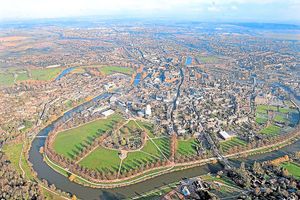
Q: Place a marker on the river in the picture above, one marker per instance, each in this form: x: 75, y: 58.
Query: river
x: 64, y: 72
x: 63, y: 183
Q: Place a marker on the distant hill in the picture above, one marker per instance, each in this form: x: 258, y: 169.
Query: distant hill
x: 268, y: 26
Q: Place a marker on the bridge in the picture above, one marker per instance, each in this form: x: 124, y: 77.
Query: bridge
x: 224, y: 161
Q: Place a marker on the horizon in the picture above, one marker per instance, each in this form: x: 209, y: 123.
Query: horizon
x: 269, y: 11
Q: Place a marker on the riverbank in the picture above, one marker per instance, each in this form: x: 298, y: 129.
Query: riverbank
x: 146, y: 175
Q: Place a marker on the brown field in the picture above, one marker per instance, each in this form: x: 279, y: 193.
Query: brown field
x: 12, y: 38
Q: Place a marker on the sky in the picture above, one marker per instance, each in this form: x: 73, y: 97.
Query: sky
x: 202, y: 10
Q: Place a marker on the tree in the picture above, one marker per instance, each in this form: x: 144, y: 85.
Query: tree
x: 257, y: 168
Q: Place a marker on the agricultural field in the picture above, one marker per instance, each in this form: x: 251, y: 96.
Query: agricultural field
x: 271, y: 130
x: 187, y: 147
x: 70, y: 142
x: 293, y: 168
x: 228, y: 144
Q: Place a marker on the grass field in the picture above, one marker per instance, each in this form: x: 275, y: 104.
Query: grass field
x: 208, y: 59
x: 107, y: 70
x: 22, y: 76
x: 69, y: 142
x: 45, y: 74
x: 149, y: 153
x: 293, y: 169
x: 102, y: 159
x: 228, y: 144
x: 6, y: 79
x: 147, y: 127
x: 13, y: 152
x: 271, y: 130
x: 187, y: 147
x: 108, y: 160
x: 280, y: 118
x: 164, y: 145
x: 264, y: 108
x: 50, y: 196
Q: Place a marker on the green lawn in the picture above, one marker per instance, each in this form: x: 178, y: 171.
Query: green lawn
x: 187, y: 147
x: 102, y: 159
x: 164, y: 145
x: 148, y: 127
x: 13, y: 151
x: 271, y: 130
x: 264, y: 108
x: 107, y: 70
x: 137, y: 159
x: 228, y: 144
x: 280, y: 118
x: 45, y: 74
x: 261, y: 118
x: 69, y: 142
x: 6, y: 79
x: 22, y: 76
x: 293, y: 169
x: 208, y: 59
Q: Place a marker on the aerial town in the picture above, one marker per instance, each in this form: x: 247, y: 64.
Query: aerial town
x: 114, y: 106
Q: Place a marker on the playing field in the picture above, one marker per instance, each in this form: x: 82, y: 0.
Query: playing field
x: 187, y: 147
x: 70, y: 142
x: 228, y: 144
x: 293, y: 169
x: 107, y: 70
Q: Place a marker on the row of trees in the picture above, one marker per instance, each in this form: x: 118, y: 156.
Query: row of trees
x: 74, y: 167
x: 263, y: 142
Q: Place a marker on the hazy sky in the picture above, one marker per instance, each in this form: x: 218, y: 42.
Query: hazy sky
x: 226, y: 10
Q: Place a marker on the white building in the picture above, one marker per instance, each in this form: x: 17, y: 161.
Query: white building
x: 148, y: 110
x: 108, y: 112
x: 225, y: 135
